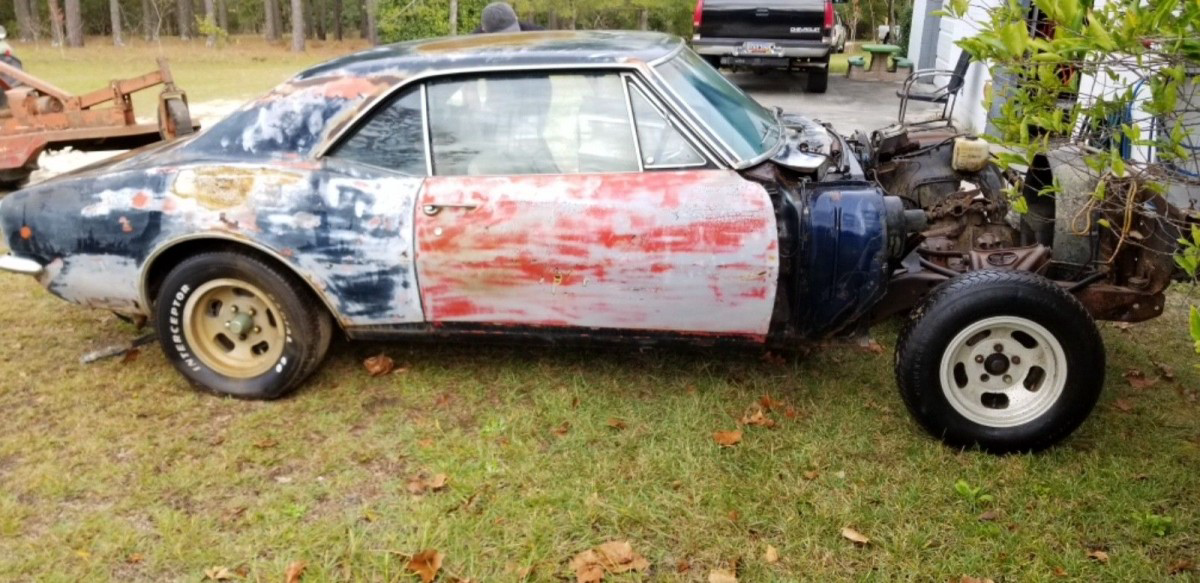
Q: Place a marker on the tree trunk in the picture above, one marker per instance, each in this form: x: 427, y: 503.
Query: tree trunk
x: 56, y: 22
x: 363, y: 20
x: 184, y: 17
x: 319, y: 22
x: 223, y: 15
x: 147, y: 21
x: 74, y: 24
x: 210, y: 20
x: 644, y: 20
x: 25, y: 25
x: 337, y: 20
x: 552, y: 22
x: 372, y: 25
x: 272, y: 20
x: 114, y: 13
x: 453, y: 17
x: 298, y: 26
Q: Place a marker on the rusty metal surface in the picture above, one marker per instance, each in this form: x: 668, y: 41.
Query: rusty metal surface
x: 681, y: 251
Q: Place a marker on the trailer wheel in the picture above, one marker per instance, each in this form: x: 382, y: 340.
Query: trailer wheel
x: 174, y: 118
x: 1005, y: 360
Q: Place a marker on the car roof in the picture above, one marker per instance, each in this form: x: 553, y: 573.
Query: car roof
x: 559, y: 47
x: 300, y: 116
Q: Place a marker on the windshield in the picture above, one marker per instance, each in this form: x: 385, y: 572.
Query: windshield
x: 748, y: 130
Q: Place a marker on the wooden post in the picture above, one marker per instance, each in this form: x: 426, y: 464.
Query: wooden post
x: 298, y: 26
x: 453, y: 17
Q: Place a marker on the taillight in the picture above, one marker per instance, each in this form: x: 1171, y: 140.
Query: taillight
x: 698, y: 16
x: 829, y: 14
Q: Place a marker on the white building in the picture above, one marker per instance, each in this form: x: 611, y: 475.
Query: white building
x: 931, y: 45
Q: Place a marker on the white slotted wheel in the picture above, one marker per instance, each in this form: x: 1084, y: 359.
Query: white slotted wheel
x: 234, y: 328
x: 1003, y: 371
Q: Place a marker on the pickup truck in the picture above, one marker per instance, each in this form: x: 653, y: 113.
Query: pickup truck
x: 767, y: 34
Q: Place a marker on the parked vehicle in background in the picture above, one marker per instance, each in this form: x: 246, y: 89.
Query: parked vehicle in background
x: 839, y: 34
x: 768, y: 34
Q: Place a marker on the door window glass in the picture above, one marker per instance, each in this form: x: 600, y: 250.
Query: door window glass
x: 531, y: 124
x: 393, y: 137
x: 662, y: 145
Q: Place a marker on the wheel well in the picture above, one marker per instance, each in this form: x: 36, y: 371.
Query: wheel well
x: 164, y: 262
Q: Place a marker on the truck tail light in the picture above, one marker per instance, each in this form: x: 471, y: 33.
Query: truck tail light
x: 828, y: 14
x: 698, y: 16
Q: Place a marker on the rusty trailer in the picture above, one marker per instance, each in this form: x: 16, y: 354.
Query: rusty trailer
x: 39, y: 116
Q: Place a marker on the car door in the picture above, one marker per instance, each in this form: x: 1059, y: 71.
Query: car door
x: 547, y: 209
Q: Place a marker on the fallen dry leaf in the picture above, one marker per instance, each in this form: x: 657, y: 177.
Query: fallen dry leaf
x: 771, y: 556
x: 563, y: 429
x: 134, y: 558
x: 734, y: 516
x: 1123, y: 405
x: 130, y: 355
x: 294, y: 572
x: 874, y: 347
x: 855, y: 537
x: 379, y: 365
x: 266, y: 443
x: 988, y: 516
x: 722, y: 576
x: 617, y: 424
x: 610, y: 557
x: 515, y: 569
x: 1137, y: 379
x: 791, y: 413
x: 728, y: 438
x: 1124, y: 326
x: 1099, y: 556
x: 1181, y: 566
x: 970, y: 579
x: 1166, y: 371
x: 218, y: 574
x: 426, y: 564
x: 422, y: 483
x: 1060, y: 572
x: 682, y: 566
x: 758, y: 419
x: 812, y: 475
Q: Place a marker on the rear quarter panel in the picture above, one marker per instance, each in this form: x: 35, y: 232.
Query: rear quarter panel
x: 345, y: 230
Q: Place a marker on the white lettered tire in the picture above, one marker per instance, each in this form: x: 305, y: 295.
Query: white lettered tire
x: 238, y: 325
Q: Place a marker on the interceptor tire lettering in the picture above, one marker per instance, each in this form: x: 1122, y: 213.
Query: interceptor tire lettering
x: 963, y: 301
x: 308, y: 326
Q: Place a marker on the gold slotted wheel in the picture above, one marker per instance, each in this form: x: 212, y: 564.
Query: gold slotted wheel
x: 234, y: 328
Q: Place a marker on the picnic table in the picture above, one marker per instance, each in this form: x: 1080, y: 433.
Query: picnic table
x: 879, y: 56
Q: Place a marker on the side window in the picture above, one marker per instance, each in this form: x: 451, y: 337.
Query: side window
x: 537, y: 123
x: 661, y: 143
x: 393, y: 137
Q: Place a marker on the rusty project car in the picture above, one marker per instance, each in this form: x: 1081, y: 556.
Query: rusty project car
x: 565, y: 185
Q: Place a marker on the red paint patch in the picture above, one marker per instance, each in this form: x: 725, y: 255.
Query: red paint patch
x: 26, y: 233
x: 140, y: 200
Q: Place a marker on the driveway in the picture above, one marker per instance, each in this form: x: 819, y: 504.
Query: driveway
x: 848, y: 105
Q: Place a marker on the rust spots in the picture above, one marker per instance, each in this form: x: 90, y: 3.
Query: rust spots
x: 140, y: 200
x: 227, y: 187
x: 26, y: 233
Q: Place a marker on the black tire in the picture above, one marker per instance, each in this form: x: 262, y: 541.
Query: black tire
x: 953, y: 310
x: 818, y: 79
x: 305, y: 323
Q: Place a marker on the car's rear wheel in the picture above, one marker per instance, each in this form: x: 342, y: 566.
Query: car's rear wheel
x: 818, y: 79
x: 1004, y: 360
x: 238, y: 325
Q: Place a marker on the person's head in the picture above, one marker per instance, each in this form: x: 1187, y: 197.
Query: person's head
x: 500, y: 17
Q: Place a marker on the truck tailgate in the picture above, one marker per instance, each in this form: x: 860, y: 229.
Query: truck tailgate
x: 763, y: 19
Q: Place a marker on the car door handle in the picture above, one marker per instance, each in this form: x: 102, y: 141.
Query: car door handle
x: 433, y: 209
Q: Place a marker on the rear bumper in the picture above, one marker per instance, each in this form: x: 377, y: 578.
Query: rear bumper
x: 21, y: 265
x: 732, y: 48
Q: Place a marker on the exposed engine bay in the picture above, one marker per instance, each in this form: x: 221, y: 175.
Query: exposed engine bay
x: 1114, y: 254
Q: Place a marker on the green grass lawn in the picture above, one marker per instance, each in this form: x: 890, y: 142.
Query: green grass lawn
x: 120, y: 471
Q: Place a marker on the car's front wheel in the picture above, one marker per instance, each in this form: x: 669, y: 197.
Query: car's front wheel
x: 1005, y: 360
x: 237, y: 325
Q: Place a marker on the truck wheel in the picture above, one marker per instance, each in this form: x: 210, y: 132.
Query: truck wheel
x: 818, y: 79
x: 1005, y: 360
x: 238, y: 326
